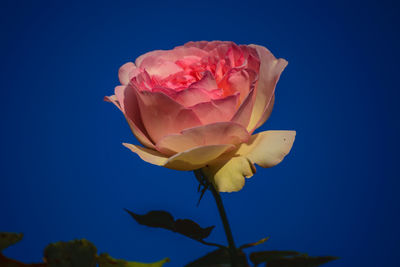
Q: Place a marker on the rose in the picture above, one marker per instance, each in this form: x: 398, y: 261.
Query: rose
x: 197, y: 105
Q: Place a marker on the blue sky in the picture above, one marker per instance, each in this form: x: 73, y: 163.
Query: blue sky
x: 65, y: 174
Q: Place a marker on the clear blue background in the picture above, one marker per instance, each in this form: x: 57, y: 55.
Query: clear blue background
x: 65, y: 175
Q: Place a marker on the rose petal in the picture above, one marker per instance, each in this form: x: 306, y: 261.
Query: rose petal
x: 126, y: 72
x: 206, y: 45
x: 125, y: 100
x: 148, y: 155
x: 270, y: 71
x: 189, y: 160
x: 216, y: 110
x: 268, y: 148
x: 149, y: 59
x: 192, y: 96
x: 237, y: 80
x: 228, y: 175
x: 243, y: 114
x: 161, y: 115
x: 211, y: 134
x: 267, y: 113
x: 197, y: 157
x: 207, y: 82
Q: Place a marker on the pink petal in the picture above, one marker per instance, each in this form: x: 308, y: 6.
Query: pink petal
x: 216, y: 110
x: 219, y: 133
x: 238, y: 81
x: 147, y: 60
x: 192, y: 96
x: 125, y: 100
x: 270, y: 71
x: 126, y: 72
x: 251, y: 56
x: 243, y: 114
x: 161, y: 115
x: 207, y: 82
x: 206, y: 45
x: 267, y: 112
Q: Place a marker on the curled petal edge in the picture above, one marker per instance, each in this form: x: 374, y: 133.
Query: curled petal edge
x: 143, y: 139
x: 188, y: 160
x: 265, y: 149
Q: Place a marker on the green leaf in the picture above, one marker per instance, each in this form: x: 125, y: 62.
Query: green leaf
x: 163, y: 219
x: 249, y: 245
x: 264, y: 256
x: 218, y: 258
x: 300, y: 261
x: 71, y: 254
x: 104, y: 260
x: 8, y: 239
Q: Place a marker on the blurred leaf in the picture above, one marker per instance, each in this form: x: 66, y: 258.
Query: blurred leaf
x: 104, y: 260
x: 218, y: 258
x: 6, y: 262
x: 287, y: 259
x: 163, y: 219
x: 249, y: 245
x: 8, y: 239
x: 71, y: 254
x: 300, y: 261
x: 264, y: 256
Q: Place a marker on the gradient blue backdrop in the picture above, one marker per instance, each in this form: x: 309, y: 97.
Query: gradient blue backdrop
x: 65, y: 175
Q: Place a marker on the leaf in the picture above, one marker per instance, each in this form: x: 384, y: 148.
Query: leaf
x: 163, y: 219
x: 300, y: 261
x: 104, y: 260
x: 288, y: 259
x: 8, y: 239
x: 259, y: 242
x: 191, y: 229
x: 6, y: 262
x: 218, y: 258
x: 71, y: 254
x: 264, y: 256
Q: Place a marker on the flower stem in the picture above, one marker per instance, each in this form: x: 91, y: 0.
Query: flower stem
x: 233, y: 252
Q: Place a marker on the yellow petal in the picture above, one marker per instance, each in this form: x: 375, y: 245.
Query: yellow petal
x: 197, y: 157
x: 268, y: 148
x: 228, y: 175
x: 188, y: 160
x: 148, y: 155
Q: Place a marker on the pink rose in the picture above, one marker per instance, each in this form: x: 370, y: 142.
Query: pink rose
x: 196, y: 106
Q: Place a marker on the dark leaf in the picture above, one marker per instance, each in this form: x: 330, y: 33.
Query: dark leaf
x: 6, y: 262
x: 163, y: 219
x: 300, y: 261
x: 218, y: 258
x: 8, y: 239
x: 264, y: 256
x: 157, y: 218
x: 71, y: 254
x: 191, y: 229
x: 104, y: 260
x: 249, y: 245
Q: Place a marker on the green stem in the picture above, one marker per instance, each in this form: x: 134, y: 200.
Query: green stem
x: 233, y: 252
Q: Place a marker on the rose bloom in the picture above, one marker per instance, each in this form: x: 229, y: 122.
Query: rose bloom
x: 197, y: 105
